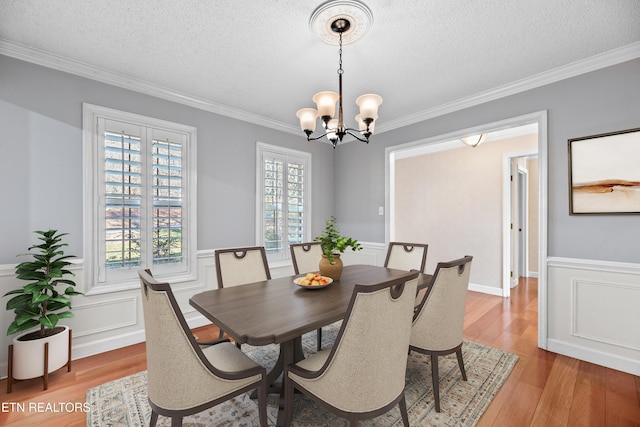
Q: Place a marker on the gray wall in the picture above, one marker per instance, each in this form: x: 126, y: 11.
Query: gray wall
x: 597, y: 102
x: 41, y: 159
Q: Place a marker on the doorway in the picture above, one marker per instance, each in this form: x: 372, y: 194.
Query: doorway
x: 522, y: 235
x: 521, y: 201
x: 446, y: 141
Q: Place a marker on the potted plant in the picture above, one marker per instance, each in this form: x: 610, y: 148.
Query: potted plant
x: 40, y: 304
x: 333, y: 244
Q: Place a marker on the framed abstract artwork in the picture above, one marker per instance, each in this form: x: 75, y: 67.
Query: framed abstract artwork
x: 604, y: 173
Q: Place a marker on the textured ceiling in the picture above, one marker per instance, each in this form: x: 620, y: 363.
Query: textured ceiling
x: 260, y: 57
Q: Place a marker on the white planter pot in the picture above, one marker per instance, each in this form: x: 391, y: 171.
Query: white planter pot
x: 28, y: 356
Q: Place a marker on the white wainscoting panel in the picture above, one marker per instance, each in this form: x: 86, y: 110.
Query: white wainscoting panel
x: 619, y: 301
x: 103, y: 316
x: 593, y: 312
x: 371, y: 254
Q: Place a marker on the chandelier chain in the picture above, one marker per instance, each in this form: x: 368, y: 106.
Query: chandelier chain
x: 340, y: 70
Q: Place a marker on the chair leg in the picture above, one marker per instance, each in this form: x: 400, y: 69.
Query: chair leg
x: 154, y: 419
x: 222, y: 336
x: 319, y: 343
x: 461, y: 363
x: 262, y: 401
x: 176, y: 421
x: 435, y: 380
x: 288, y: 399
x: 403, y: 411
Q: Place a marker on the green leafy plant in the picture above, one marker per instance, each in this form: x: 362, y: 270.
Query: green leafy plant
x: 40, y: 303
x: 332, y: 242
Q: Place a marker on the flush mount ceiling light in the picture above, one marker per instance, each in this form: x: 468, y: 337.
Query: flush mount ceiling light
x: 474, y: 140
x: 340, y: 22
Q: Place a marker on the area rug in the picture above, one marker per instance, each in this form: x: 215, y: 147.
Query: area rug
x: 123, y: 403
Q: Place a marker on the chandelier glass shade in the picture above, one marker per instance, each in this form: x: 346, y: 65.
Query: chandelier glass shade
x: 334, y: 127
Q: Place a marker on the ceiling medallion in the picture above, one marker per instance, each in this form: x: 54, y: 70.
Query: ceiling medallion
x: 358, y: 15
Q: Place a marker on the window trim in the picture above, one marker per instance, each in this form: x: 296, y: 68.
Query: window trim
x: 261, y: 148
x: 91, y: 200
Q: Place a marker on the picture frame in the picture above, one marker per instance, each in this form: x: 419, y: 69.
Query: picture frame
x: 604, y: 173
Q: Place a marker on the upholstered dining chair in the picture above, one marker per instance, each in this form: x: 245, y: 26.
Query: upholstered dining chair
x: 186, y: 377
x: 408, y: 256
x: 305, y: 258
x: 439, y: 319
x: 358, y: 378
x: 239, y: 266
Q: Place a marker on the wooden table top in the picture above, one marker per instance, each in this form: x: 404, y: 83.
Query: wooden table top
x: 278, y: 310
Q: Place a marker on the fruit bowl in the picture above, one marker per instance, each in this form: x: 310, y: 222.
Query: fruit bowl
x: 313, y: 281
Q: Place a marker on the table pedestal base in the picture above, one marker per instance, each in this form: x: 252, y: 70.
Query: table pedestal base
x: 290, y: 352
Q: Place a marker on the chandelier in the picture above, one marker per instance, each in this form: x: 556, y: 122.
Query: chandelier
x: 335, y: 129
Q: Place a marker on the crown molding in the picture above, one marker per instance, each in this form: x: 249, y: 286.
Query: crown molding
x: 46, y: 59
x: 603, y: 60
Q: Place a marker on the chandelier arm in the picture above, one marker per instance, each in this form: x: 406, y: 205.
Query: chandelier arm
x: 309, y: 138
x: 348, y: 131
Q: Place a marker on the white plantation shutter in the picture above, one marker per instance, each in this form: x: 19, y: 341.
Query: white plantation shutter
x: 283, y: 203
x: 167, y: 196
x: 273, y: 203
x: 145, y: 196
x: 122, y: 196
x: 295, y: 200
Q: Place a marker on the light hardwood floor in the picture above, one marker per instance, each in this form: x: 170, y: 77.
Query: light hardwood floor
x: 544, y: 389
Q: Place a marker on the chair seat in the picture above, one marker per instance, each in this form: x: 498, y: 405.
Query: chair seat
x: 315, y: 361
x: 227, y: 357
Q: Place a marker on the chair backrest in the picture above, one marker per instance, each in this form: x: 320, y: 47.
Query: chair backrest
x: 239, y: 266
x: 439, y: 319
x: 366, y: 368
x: 306, y: 257
x: 176, y: 366
x: 407, y: 256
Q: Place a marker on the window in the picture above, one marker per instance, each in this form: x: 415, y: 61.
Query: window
x: 284, y: 199
x: 139, y: 198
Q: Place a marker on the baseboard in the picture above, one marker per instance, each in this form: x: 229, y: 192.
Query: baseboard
x: 491, y: 290
x: 624, y: 364
x: 92, y: 348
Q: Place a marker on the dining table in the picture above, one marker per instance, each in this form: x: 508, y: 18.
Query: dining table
x: 279, y: 311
